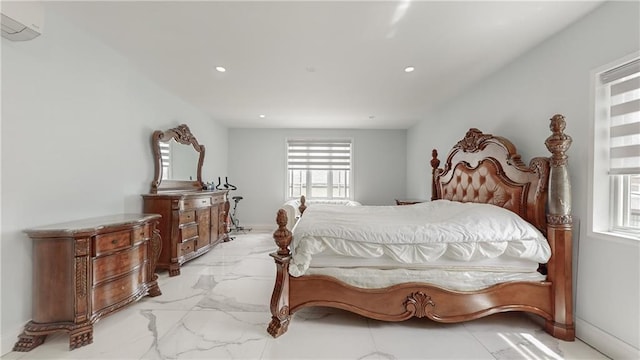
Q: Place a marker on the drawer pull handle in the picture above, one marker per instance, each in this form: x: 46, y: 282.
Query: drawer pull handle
x: 114, y: 241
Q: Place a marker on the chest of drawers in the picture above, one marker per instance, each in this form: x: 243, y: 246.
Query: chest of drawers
x: 84, y: 270
x: 192, y: 223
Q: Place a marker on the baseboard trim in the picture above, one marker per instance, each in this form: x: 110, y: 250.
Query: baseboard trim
x: 6, y: 343
x: 604, y: 342
x: 261, y: 227
x: 265, y: 227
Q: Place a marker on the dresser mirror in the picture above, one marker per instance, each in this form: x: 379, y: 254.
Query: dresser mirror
x: 178, y: 160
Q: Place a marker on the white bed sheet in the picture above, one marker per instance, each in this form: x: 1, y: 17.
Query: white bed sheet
x: 416, y: 235
x: 329, y: 259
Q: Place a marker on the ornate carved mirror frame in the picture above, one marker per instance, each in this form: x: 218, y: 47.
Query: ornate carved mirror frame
x: 181, y: 135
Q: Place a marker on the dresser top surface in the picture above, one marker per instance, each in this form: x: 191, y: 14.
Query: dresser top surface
x: 185, y: 194
x: 93, y: 225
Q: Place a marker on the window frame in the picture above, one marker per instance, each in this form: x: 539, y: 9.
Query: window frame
x: 351, y: 187
x: 601, y: 185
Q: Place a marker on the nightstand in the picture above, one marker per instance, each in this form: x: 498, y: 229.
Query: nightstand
x: 409, y: 201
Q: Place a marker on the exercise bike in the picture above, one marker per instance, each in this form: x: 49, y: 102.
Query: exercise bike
x: 233, y: 217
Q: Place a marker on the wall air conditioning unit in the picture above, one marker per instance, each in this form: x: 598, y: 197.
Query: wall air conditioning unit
x: 21, y: 21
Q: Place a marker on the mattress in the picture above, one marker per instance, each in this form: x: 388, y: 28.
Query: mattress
x: 369, y: 278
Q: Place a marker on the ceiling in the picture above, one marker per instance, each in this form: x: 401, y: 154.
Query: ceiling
x: 320, y: 64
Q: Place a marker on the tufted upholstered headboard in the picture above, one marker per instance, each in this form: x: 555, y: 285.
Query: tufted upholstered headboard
x: 484, y: 168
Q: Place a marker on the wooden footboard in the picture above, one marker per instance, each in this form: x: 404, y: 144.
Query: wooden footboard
x: 550, y: 299
x: 403, y: 301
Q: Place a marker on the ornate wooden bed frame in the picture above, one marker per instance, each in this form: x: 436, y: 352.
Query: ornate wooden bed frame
x: 480, y: 168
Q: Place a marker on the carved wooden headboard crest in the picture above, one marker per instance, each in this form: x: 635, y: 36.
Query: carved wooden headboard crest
x: 473, y: 140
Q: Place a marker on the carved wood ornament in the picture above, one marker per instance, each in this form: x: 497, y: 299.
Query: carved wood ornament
x: 473, y: 140
x: 303, y: 204
x: 417, y: 303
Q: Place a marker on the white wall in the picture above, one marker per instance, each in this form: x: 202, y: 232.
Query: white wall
x: 257, y: 165
x: 516, y: 103
x: 76, y: 126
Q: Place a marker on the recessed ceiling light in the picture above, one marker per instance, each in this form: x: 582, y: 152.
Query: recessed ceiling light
x: 409, y: 69
x: 262, y: 116
x: 220, y: 69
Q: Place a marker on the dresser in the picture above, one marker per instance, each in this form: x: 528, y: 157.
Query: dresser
x: 84, y: 270
x: 192, y: 223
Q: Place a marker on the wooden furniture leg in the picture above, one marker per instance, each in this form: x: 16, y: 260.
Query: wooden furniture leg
x: 28, y: 342
x: 34, y: 335
x: 280, y: 310
x: 80, y: 336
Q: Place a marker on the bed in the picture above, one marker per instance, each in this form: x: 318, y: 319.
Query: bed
x: 482, y: 174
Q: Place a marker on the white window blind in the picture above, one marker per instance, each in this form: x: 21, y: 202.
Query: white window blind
x: 624, y: 114
x: 319, y: 155
x: 319, y: 169
x: 165, y: 156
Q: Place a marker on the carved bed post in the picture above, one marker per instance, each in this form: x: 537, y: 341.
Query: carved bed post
x: 559, y: 232
x: 280, y: 315
x: 303, y: 205
x: 224, y: 220
x: 434, y: 166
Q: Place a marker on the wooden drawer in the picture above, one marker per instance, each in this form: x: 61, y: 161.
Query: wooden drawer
x: 218, y: 199
x: 140, y: 233
x: 112, y: 242
x: 120, y: 263
x: 191, y: 204
x: 186, y: 247
x: 189, y: 231
x: 117, y: 290
x: 187, y: 217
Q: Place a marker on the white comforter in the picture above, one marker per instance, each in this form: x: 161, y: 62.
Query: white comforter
x: 416, y: 234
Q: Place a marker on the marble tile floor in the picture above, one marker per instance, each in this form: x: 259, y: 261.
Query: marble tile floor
x: 218, y: 308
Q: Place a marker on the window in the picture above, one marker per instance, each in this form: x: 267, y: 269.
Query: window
x: 319, y: 169
x: 617, y: 142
